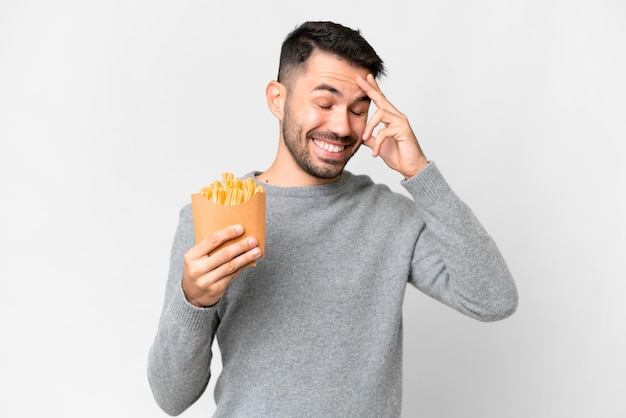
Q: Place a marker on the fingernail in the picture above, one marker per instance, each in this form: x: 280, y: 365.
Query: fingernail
x: 252, y: 242
x: 239, y: 229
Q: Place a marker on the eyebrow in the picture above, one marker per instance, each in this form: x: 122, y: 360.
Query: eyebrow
x: 335, y: 92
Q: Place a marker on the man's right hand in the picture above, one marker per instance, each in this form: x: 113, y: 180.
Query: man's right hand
x: 206, y: 277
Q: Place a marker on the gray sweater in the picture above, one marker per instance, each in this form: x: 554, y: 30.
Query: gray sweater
x: 315, y: 329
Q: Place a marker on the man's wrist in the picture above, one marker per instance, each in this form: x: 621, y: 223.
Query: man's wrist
x: 422, y: 164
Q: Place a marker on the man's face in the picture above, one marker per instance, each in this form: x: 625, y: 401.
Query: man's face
x: 325, y: 115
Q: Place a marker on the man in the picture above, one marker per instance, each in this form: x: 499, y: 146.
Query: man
x: 315, y: 329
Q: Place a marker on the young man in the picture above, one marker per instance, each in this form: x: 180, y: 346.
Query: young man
x: 315, y: 329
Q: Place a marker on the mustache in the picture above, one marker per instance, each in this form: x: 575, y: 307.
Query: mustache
x: 331, y: 136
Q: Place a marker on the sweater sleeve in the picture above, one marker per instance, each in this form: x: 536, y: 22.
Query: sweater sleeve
x: 455, y: 261
x: 180, y: 356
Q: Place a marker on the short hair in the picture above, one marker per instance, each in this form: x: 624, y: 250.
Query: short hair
x: 329, y: 37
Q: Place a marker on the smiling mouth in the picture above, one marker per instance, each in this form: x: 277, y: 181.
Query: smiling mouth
x: 327, y: 146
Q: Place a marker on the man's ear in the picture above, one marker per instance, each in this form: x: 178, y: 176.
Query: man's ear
x: 276, y: 94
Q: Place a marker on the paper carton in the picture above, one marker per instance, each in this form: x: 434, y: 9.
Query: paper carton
x: 209, y: 217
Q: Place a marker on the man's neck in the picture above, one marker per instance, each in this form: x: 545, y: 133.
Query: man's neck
x: 276, y: 175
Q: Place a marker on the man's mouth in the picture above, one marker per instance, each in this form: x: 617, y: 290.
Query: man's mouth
x: 328, y: 146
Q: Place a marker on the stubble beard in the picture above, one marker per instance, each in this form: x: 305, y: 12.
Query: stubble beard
x: 298, y: 146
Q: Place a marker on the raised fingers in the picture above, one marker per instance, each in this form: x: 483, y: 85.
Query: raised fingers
x: 385, y: 111
x: 375, y: 143
x: 370, y: 87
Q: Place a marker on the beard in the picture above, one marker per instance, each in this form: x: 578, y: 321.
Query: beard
x: 298, y: 145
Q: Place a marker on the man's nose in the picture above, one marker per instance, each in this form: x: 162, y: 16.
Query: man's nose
x: 340, y: 122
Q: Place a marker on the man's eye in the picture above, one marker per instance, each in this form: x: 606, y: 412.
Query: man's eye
x: 325, y: 107
x: 357, y: 113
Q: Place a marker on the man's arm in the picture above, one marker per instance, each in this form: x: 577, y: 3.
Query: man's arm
x: 180, y: 357
x: 455, y: 260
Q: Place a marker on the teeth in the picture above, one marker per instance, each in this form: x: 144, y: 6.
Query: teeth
x: 329, y: 147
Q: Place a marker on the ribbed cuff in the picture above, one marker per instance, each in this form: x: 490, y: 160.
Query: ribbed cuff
x: 191, y: 317
x: 427, y: 186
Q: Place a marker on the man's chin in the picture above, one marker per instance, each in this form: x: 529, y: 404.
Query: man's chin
x: 331, y: 170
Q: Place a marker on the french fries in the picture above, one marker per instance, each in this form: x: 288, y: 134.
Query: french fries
x: 231, y: 190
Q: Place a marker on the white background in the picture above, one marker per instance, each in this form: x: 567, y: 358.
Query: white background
x: 113, y: 112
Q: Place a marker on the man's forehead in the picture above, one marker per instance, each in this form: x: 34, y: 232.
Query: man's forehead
x: 325, y: 72
x: 323, y: 87
x: 332, y: 66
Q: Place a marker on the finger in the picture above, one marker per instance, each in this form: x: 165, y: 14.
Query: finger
x: 380, y: 116
x: 231, y: 268
x: 205, y: 279
x: 371, y: 124
x: 377, y: 141
x: 370, y: 87
x: 226, y: 260
x: 373, y: 145
x: 218, y: 279
x: 214, y: 240
x: 214, y: 284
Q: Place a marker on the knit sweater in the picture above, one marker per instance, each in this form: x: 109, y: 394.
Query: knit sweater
x: 315, y: 329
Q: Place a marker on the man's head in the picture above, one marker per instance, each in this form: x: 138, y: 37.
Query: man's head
x: 328, y: 37
x: 321, y: 108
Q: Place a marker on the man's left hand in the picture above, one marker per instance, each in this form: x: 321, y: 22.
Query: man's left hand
x: 395, y: 143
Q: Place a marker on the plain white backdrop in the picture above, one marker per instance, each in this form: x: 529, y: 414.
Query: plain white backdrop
x: 113, y: 113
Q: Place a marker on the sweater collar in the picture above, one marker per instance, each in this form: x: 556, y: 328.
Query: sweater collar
x: 328, y: 189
